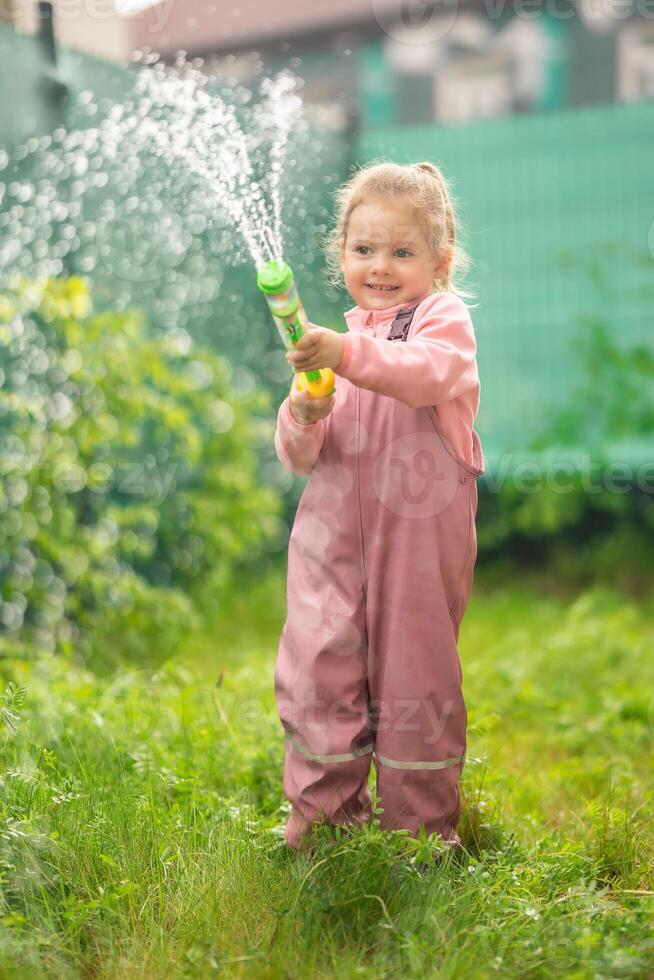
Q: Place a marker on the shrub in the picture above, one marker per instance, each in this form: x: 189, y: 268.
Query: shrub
x: 128, y: 480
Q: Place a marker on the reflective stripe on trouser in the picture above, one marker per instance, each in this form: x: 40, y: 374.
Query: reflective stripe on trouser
x: 367, y: 750
x: 380, y: 564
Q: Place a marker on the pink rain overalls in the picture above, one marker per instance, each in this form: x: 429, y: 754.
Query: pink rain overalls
x: 380, y: 568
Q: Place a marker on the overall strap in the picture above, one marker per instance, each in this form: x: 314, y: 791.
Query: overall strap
x: 400, y: 326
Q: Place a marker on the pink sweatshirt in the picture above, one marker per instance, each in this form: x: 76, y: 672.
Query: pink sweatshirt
x: 436, y: 365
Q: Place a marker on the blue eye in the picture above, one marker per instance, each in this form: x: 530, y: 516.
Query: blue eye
x: 403, y: 250
x: 359, y: 247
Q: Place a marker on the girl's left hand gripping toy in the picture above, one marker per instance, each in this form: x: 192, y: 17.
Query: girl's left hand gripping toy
x: 275, y: 280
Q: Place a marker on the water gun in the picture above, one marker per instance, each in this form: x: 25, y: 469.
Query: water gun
x: 276, y: 282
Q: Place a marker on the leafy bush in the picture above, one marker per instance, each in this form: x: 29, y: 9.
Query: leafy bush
x: 128, y: 478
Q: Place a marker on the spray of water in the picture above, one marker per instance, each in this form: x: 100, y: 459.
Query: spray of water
x: 183, y: 120
x: 228, y: 156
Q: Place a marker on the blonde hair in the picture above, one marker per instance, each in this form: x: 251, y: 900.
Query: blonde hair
x: 432, y: 198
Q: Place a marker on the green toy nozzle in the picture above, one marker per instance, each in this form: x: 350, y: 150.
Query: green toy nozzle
x: 274, y: 277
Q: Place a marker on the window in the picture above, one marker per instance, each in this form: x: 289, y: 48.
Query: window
x: 635, y: 74
x: 474, y: 87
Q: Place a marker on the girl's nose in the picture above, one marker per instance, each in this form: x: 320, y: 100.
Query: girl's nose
x: 380, y: 264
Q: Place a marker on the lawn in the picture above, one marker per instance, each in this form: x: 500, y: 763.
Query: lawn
x: 142, y: 811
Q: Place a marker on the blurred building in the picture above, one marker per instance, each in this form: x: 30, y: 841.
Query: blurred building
x: 389, y: 62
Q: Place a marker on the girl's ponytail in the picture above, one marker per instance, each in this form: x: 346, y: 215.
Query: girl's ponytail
x: 428, y: 168
x: 448, y: 241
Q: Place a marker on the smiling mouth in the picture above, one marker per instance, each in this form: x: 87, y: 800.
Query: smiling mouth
x: 382, y: 289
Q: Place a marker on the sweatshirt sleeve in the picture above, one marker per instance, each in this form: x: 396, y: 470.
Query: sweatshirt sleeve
x: 298, y: 446
x: 437, y: 364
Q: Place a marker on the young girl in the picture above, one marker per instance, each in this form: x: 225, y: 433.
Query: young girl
x: 381, y: 555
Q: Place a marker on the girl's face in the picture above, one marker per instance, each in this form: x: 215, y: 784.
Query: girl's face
x: 386, y: 259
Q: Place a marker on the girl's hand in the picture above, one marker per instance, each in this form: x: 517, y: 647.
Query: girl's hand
x: 319, y: 348
x: 307, y: 410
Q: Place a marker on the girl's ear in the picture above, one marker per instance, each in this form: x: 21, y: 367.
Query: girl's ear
x: 444, y: 261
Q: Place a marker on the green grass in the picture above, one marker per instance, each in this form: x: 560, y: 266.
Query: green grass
x: 141, y: 813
